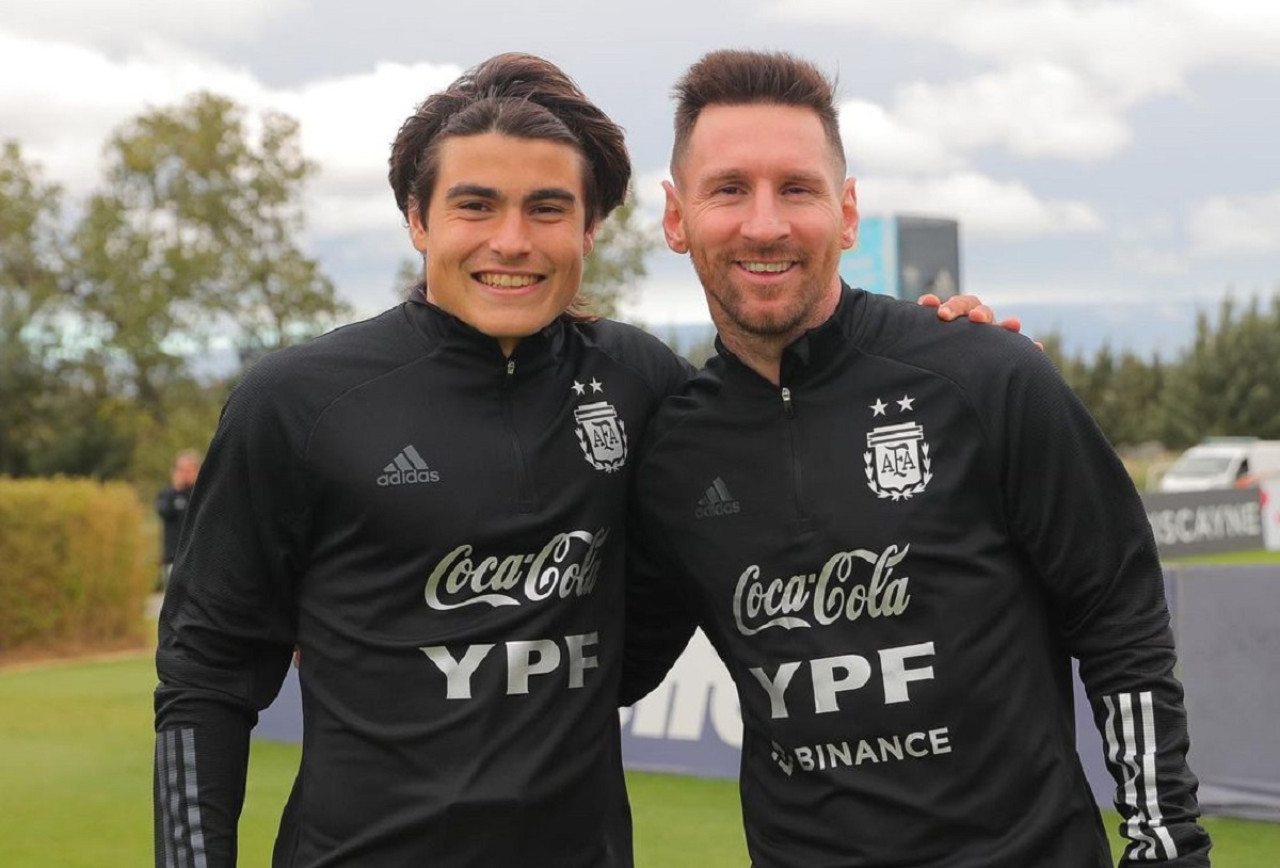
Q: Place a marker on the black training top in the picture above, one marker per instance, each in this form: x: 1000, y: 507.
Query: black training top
x: 439, y: 529
x: 171, y: 506
x: 897, y: 552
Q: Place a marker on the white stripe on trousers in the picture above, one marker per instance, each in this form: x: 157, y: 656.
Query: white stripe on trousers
x: 183, y: 832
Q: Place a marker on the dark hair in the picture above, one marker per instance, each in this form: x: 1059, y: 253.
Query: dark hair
x: 517, y: 95
x: 735, y: 77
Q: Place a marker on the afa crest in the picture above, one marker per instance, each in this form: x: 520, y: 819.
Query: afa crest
x: 898, y: 465
x: 602, y: 436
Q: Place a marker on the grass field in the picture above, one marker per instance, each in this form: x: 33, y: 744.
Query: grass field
x: 75, y: 763
x: 1249, y: 556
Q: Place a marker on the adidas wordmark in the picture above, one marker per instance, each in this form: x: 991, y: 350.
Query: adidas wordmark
x: 716, y: 501
x: 407, y: 468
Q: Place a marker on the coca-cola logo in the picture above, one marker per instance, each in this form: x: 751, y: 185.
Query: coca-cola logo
x: 567, y: 566
x: 851, y: 585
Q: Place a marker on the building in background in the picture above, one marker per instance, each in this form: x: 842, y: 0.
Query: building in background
x: 905, y: 257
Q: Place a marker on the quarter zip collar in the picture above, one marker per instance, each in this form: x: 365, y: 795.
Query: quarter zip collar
x: 812, y: 350
x: 532, y: 353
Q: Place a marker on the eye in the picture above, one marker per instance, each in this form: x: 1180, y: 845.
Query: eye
x: 473, y: 205
x: 548, y: 209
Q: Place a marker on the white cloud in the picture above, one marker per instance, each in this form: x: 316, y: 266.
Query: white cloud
x: 1012, y: 297
x: 137, y: 23
x: 672, y: 296
x: 986, y: 208
x: 69, y: 99
x: 347, y: 126
x: 1149, y: 245
x: 1237, y: 226
x: 332, y: 212
x: 1156, y: 261
x: 1138, y: 47
x: 1032, y: 110
x: 1061, y: 73
x: 650, y: 198
x: 348, y: 123
x: 877, y: 141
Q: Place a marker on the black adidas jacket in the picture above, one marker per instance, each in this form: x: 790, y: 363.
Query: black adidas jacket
x: 440, y: 530
x: 897, y: 552
x: 171, y: 506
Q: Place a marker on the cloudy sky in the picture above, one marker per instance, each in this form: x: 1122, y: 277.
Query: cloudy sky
x: 1114, y: 164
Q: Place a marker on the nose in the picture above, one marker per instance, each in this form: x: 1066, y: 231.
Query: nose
x: 766, y: 221
x: 511, y: 235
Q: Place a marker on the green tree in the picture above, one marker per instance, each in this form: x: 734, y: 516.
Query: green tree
x: 1229, y: 382
x: 1226, y: 384
x: 1139, y: 407
x: 30, y: 284
x: 84, y: 428
x: 616, y: 262
x: 274, y: 293
x: 196, y: 233
x: 1125, y: 396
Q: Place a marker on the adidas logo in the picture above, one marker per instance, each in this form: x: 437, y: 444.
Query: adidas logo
x: 406, y: 468
x: 716, y: 501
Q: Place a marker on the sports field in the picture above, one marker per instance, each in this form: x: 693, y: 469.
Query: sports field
x: 1250, y: 556
x: 75, y: 763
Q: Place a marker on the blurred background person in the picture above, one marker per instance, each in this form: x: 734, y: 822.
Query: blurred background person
x: 171, y: 506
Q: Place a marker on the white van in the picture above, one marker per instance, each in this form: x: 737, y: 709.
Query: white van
x: 1224, y: 462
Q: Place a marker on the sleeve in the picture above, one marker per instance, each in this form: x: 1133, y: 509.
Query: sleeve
x: 227, y: 628
x: 678, y: 373
x: 659, y: 618
x: 1072, y: 505
x: 663, y: 371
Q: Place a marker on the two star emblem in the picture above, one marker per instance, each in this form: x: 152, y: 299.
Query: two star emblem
x: 904, y: 403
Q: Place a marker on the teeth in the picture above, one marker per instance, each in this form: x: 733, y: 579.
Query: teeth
x: 767, y: 267
x: 507, y: 281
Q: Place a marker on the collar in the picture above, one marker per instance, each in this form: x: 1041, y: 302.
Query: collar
x: 812, y: 350
x: 543, y: 347
x: 819, y: 345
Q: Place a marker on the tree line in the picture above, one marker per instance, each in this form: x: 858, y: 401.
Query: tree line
x: 1226, y: 383
x: 194, y: 234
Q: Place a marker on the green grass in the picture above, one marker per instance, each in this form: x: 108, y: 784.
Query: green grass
x: 75, y: 767
x: 1250, y: 556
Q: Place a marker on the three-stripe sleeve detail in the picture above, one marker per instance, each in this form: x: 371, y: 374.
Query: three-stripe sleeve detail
x: 178, y: 799
x: 1130, y: 734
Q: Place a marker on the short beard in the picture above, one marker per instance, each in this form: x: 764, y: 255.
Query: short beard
x: 790, y: 321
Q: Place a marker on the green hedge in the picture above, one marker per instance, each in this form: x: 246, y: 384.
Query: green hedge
x: 77, y: 559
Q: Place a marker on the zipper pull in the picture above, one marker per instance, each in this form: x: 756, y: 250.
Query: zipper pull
x: 787, y: 409
x: 511, y: 367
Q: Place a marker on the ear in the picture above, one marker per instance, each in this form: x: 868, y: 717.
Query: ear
x: 589, y: 239
x: 417, y: 226
x: 849, y: 214
x: 673, y: 220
